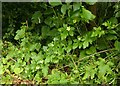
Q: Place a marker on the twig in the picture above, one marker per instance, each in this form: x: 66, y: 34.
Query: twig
x: 13, y: 59
x: 89, y: 56
x: 95, y: 54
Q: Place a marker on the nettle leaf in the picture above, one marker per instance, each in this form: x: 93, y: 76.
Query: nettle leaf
x: 91, y: 50
x: 87, y: 15
x: 64, y: 9
x: 117, y: 45
x: 20, y: 33
x: 48, y: 11
x: 111, y: 37
x: 117, y: 14
x: 48, y: 21
x: 36, y: 17
x: 82, y: 53
x: 55, y: 3
x: 45, y: 31
x: 75, y: 15
x: 76, y: 6
x: 113, y: 20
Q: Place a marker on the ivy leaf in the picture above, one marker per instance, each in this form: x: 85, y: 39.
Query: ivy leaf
x: 45, y: 70
x: 48, y: 59
x: 37, y: 76
x: 45, y: 48
x: 63, y: 9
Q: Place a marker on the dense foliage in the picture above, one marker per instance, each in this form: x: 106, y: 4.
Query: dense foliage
x: 60, y: 43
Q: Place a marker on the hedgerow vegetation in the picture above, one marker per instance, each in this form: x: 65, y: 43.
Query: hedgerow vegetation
x: 60, y: 43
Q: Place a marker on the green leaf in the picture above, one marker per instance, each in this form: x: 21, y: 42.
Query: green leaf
x: 45, y: 70
x: 113, y: 20
x: 86, y: 75
x: 55, y: 3
x: 36, y: 17
x: 75, y: 45
x: 1, y: 71
x: 20, y: 33
x: 80, y: 45
x: 91, y: 50
x: 87, y: 15
x: 63, y: 9
x: 111, y: 37
x: 76, y: 6
x: 37, y: 76
x: 45, y: 48
x: 45, y: 31
x: 117, y: 45
x: 69, y: 47
x: 1, y: 45
x: 82, y: 53
x: 85, y: 44
x: 48, y: 11
x: 18, y: 70
x: 64, y: 35
x: 117, y: 14
x: 71, y: 33
x: 75, y: 15
x: 48, y: 21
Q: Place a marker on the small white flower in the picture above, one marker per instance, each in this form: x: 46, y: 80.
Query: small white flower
x: 37, y: 67
x: 68, y: 28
